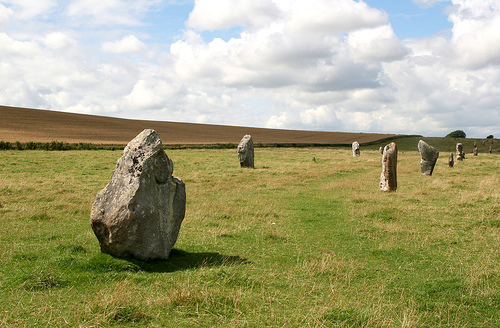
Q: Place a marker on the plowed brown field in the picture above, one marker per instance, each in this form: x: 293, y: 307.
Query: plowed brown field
x: 25, y: 125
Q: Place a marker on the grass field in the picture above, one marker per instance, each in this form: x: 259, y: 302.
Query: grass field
x: 292, y: 243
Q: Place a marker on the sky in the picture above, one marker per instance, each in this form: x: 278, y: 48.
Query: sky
x: 424, y: 67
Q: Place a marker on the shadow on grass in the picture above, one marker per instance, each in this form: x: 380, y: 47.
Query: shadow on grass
x: 179, y: 260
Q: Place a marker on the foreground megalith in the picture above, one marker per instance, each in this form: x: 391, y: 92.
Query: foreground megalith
x: 429, y: 156
x: 139, y: 213
x: 355, y: 149
x: 460, y: 152
x: 245, y: 151
x: 388, y: 178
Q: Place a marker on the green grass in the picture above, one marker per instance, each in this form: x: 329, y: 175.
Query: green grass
x: 292, y: 243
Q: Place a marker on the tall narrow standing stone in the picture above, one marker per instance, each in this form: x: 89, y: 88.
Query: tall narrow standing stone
x: 429, y: 156
x: 450, y: 160
x: 490, y: 149
x: 388, y: 177
x: 355, y: 149
x: 460, y: 152
x: 245, y: 151
x: 139, y: 213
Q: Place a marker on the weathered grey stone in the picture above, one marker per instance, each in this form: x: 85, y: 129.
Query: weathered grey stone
x: 429, y: 156
x: 355, y: 149
x: 388, y: 178
x: 475, y: 151
x: 450, y: 160
x: 139, y: 213
x: 460, y: 152
x: 245, y: 151
x: 381, y: 150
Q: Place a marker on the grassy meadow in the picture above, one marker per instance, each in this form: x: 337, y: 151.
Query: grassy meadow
x: 291, y: 243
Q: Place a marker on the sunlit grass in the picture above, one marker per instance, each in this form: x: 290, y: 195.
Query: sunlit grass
x: 291, y: 243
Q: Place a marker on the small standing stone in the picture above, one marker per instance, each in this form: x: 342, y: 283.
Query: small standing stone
x: 490, y: 149
x: 381, y: 150
x: 139, y: 213
x: 475, y: 151
x: 450, y: 160
x: 429, y: 156
x: 245, y: 151
x: 475, y: 145
x: 355, y: 149
x: 460, y: 152
x: 483, y: 142
x: 388, y: 177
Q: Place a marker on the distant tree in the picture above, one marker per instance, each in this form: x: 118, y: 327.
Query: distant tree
x: 456, y: 134
x: 489, y: 137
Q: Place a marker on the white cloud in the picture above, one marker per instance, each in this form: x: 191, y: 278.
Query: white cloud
x: 109, y: 12
x: 129, y: 43
x: 322, y: 17
x: 316, y: 64
x: 24, y: 10
x: 224, y: 14
x: 375, y: 44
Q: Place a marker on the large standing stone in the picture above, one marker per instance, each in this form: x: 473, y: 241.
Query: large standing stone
x: 139, y: 213
x: 450, y: 160
x: 245, y: 151
x: 388, y: 178
x: 355, y: 149
x: 429, y: 156
x: 460, y: 152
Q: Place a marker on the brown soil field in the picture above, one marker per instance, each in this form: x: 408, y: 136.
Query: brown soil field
x: 25, y: 125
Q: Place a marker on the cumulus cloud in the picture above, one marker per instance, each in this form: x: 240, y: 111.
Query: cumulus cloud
x: 314, y: 64
x: 224, y: 14
x: 129, y: 43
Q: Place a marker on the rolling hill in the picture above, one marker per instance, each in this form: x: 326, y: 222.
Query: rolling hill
x: 25, y: 125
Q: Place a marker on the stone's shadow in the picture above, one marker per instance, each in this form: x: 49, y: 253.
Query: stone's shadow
x: 181, y: 260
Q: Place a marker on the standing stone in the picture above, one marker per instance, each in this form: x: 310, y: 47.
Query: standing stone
x: 475, y: 145
x: 475, y: 151
x: 450, y: 160
x: 429, y: 156
x: 381, y: 150
x: 388, y: 178
x: 355, y: 149
x: 460, y: 152
x: 245, y: 151
x: 483, y: 142
x: 490, y: 149
x: 139, y: 213
x: 314, y: 159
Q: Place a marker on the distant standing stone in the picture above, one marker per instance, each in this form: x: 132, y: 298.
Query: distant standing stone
x: 139, y: 213
x: 483, y: 142
x: 388, y: 178
x: 475, y: 151
x: 490, y: 149
x: 450, y: 160
x: 460, y: 152
x: 381, y: 150
x: 245, y: 151
x: 475, y: 145
x: 314, y: 159
x: 355, y: 149
x: 429, y: 156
